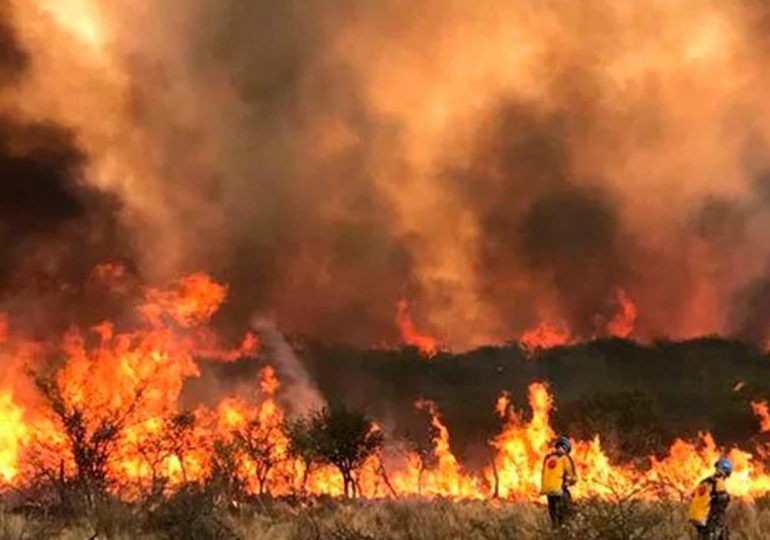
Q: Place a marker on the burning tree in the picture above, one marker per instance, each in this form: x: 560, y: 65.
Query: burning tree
x: 252, y: 446
x: 337, y: 436
x: 225, y: 470
x: 89, y: 439
x: 165, y: 453
x: 262, y: 445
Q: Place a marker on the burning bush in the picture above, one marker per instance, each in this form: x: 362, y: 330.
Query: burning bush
x: 340, y: 437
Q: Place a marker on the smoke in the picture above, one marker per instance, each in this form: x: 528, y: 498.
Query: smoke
x: 300, y: 389
x: 497, y: 164
x: 12, y: 57
x: 54, y: 227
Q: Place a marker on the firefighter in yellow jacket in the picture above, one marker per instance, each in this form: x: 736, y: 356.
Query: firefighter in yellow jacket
x: 710, y: 501
x: 559, y: 475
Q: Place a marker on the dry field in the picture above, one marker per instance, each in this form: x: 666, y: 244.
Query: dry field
x: 194, y: 516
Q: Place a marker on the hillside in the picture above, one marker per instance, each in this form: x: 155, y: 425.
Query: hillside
x: 649, y: 393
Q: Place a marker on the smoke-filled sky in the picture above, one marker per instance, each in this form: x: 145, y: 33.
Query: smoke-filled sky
x: 497, y: 164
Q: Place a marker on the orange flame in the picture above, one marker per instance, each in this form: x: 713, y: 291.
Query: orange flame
x: 622, y: 325
x: 191, y: 301
x: 137, y: 375
x: 427, y: 345
x: 13, y: 434
x: 545, y: 336
x: 447, y: 479
x: 763, y: 414
x: 522, y: 446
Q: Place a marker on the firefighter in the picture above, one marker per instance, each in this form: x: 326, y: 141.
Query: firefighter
x: 559, y: 475
x: 710, y: 501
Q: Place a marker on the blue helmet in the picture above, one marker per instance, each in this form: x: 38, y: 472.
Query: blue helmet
x: 565, y: 443
x: 724, y: 465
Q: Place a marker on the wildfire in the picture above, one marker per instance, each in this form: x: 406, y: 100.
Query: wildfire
x: 762, y: 412
x: 13, y: 433
x: 545, y: 336
x: 127, y: 382
x: 427, y: 345
x: 522, y: 445
x: 447, y: 478
x: 465, y: 101
x: 622, y: 325
x: 190, y: 301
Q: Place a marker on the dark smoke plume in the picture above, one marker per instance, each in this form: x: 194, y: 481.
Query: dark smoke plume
x: 496, y: 167
x: 54, y: 226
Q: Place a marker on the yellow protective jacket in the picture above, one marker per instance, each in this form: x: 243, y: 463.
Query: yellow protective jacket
x: 558, y: 474
x: 708, y: 497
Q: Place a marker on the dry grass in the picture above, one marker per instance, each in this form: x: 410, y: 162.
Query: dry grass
x: 386, y: 520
